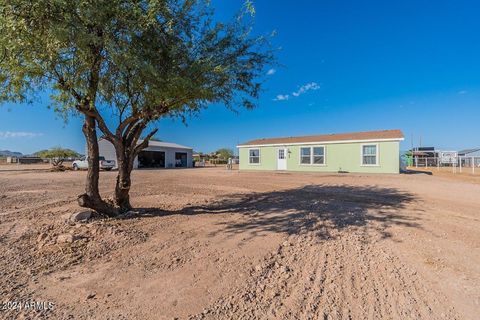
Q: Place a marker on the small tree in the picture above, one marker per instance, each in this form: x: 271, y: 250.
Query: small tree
x: 56, y: 152
x: 143, y: 59
x: 56, y: 155
x: 224, y: 153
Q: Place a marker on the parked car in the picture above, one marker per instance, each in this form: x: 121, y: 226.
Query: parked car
x: 106, y: 165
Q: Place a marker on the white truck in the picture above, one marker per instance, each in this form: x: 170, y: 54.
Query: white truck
x: 106, y: 165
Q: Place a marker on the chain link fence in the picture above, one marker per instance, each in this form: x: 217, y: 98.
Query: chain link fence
x: 459, y: 164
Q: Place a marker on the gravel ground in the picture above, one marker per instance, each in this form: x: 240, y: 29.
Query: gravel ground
x: 207, y: 243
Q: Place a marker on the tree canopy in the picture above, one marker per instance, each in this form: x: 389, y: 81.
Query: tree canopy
x: 138, y: 60
x: 143, y: 58
x: 57, y: 152
x: 224, y: 153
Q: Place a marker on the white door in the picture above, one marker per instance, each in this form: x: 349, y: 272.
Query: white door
x: 282, y: 159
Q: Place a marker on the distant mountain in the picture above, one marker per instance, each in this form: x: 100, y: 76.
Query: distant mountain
x: 7, y: 153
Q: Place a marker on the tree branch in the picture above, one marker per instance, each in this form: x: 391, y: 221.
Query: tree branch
x: 137, y: 132
x: 101, y: 124
x: 133, y: 129
x: 63, y: 84
x: 121, y: 127
x: 145, y: 141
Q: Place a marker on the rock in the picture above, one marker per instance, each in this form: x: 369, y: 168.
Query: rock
x: 81, y: 216
x: 91, y: 295
x: 41, y: 237
x: 42, y: 240
x: 67, y: 238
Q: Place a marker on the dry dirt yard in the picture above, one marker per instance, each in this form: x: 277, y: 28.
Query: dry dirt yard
x: 214, y: 244
x: 465, y: 174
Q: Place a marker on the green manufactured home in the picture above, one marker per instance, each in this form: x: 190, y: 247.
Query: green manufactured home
x: 362, y: 152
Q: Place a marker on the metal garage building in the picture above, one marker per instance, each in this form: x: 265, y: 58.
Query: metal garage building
x: 158, y: 154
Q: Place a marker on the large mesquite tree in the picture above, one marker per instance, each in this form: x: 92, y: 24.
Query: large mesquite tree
x: 142, y: 59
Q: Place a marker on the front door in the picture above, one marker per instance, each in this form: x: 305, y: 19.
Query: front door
x: 282, y: 159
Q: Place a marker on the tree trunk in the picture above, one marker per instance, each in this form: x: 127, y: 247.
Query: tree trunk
x: 91, y: 198
x: 122, y: 187
x: 126, y: 149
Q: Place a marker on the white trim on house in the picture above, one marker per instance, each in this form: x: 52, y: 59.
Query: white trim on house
x: 317, y: 142
x: 324, y: 164
x: 259, y: 157
x: 377, y: 155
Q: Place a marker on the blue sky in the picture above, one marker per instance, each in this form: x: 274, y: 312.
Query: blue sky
x: 345, y: 66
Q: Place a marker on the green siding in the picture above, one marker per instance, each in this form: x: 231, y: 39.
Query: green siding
x: 339, y: 156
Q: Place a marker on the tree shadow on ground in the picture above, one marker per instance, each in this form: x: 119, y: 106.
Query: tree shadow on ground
x: 321, y: 209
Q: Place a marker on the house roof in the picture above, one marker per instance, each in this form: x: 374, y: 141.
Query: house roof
x: 467, y: 151
x: 333, y: 137
x: 165, y: 144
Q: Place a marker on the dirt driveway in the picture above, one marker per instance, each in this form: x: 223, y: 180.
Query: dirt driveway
x: 215, y: 244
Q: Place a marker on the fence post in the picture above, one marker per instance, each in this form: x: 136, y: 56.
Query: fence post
x: 460, y: 163
x: 473, y: 165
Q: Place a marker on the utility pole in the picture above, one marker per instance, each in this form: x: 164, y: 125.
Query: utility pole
x: 411, y: 149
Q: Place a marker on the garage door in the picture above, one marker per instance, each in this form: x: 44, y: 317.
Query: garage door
x: 151, y: 159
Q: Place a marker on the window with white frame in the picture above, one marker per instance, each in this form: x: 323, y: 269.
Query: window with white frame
x: 312, y: 155
x: 305, y: 155
x: 318, y: 155
x: 369, y: 154
x: 254, y: 156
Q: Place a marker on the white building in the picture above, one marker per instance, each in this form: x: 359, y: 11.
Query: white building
x: 158, y: 154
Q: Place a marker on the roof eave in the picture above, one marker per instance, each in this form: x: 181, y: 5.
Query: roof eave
x: 319, y: 142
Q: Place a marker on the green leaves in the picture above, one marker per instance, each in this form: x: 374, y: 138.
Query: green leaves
x: 57, y: 152
x: 250, y: 7
x: 147, y: 59
x: 224, y: 153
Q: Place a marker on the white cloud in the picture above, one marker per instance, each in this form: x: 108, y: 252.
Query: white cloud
x: 306, y: 87
x: 271, y: 72
x: 281, y: 97
x: 303, y: 89
x: 462, y: 92
x: 18, y: 134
